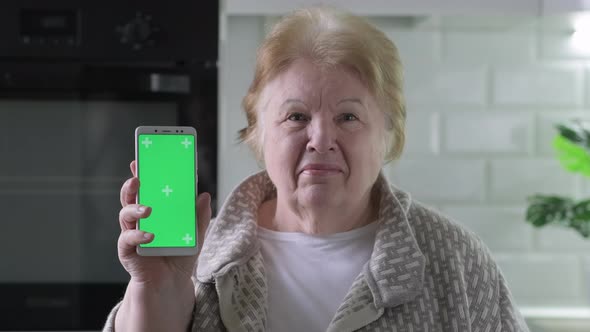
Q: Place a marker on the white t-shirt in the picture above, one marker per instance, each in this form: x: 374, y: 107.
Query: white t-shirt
x: 309, y: 275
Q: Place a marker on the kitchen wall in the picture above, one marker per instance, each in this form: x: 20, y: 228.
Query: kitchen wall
x: 483, y: 94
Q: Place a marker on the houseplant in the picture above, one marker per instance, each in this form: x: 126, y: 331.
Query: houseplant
x: 572, y: 144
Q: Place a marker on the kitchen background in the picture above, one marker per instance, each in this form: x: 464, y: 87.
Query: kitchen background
x: 485, y: 85
x: 76, y: 78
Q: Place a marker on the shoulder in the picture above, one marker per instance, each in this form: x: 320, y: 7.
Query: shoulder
x: 456, y: 255
x: 459, y: 268
x: 432, y: 226
x: 457, y: 259
x: 448, y: 244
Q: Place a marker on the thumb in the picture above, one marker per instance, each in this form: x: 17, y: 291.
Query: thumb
x: 203, y: 216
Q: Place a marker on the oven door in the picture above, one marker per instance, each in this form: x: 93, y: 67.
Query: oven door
x: 62, y: 164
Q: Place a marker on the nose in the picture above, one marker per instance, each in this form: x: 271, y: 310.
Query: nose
x: 322, y: 134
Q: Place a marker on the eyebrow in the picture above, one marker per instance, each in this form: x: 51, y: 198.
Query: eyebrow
x: 293, y: 101
x: 351, y: 100
x: 284, y: 106
x: 345, y: 100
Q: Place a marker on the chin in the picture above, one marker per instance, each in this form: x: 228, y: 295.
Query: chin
x: 321, y: 197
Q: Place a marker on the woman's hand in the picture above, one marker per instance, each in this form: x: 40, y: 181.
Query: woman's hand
x: 160, y: 295
x: 153, y: 270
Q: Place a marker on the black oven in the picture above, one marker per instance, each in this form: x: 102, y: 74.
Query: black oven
x: 76, y: 78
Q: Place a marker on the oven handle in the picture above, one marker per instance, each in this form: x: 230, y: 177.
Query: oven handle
x: 169, y: 83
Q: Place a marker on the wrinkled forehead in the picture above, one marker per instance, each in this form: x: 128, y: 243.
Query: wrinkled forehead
x: 305, y: 81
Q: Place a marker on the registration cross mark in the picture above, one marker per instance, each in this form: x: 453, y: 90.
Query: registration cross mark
x: 167, y: 190
x: 187, y: 238
x: 186, y: 143
x: 146, y: 142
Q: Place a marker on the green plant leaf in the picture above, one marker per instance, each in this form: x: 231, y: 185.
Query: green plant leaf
x: 573, y: 152
x: 570, y: 133
x: 583, y: 227
x: 574, y: 158
x: 543, y: 209
x: 577, y: 131
x: 580, y: 218
x: 581, y: 210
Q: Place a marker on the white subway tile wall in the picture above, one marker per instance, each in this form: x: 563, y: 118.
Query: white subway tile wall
x: 538, y: 86
x: 559, y: 239
x: 500, y: 227
x: 422, y: 134
x: 512, y: 180
x: 484, y: 95
x: 559, y: 45
x: 237, y: 58
x: 438, y: 84
x: 469, y: 46
x: 416, y: 47
x: 544, y: 279
x: 477, y: 133
x: 440, y: 180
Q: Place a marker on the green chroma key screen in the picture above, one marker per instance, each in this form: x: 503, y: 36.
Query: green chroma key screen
x: 167, y: 185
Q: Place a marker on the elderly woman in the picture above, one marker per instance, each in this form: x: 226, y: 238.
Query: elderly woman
x: 320, y: 240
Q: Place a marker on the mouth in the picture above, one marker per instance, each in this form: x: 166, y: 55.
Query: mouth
x: 321, y: 169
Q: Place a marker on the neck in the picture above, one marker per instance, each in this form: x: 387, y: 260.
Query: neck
x: 283, y: 215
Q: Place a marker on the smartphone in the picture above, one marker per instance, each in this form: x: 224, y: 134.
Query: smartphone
x: 166, y: 158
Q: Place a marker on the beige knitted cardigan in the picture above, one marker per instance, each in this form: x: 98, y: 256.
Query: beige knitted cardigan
x: 426, y: 273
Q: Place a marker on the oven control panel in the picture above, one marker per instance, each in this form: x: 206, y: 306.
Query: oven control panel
x: 110, y: 30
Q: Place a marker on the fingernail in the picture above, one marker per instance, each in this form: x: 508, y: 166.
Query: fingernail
x: 147, y: 236
x: 141, y: 209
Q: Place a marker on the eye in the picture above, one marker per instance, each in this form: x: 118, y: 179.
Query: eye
x: 348, y: 117
x: 297, y: 117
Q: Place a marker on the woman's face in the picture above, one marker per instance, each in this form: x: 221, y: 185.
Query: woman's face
x: 322, y: 136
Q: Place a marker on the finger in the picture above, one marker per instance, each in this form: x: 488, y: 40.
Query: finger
x: 131, y: 238
x: 133, y: 167
x: 128, y: 215
x: 129, y: 191
x: 204, y: 215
